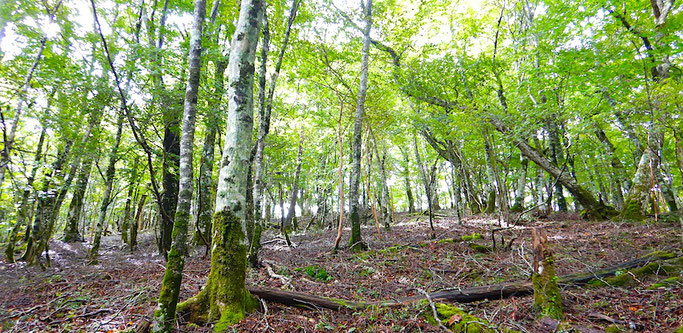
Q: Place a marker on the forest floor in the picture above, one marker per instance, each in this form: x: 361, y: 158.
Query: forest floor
x: 117, y: 293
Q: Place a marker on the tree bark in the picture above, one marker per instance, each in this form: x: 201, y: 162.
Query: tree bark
x: 205, y: 188
x: 106, y: 197
x: 224, y: 299
x: 170, y: 287
x: 291, y: 212
x: 26, y: 203
x: 355, y: 241
x: 406, y: 180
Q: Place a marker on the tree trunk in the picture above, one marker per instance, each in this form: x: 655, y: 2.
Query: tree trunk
x: 557, y: 159
x: 518, y: 206
x: 593, y: 208
x: 137, y: 223
x: 406, y: 181
x: 386, y: 197
x: 106, y: 197
x: 26, y: 204
x: 355, y: 240
x: 205, y: 188
x: 291, y: 212
x: 266, y: 102
x: 71, y: 233
x: 426, y: 184
x: 164, y: 317
x: 37, y: 242
x: 499, y: 183
x: 224, y: 299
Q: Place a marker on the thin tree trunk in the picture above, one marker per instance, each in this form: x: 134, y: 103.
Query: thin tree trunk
x: 205, y: 188
x: 71, y: 233
x: 295, y: 186
x: 340, y: 176
x: 26, y: 204
x: 164, y: 317
x: 518, y: 206
x: 355, y: 241
x: 138, y: 222
x: 106, y: 197
x: 426, y: 183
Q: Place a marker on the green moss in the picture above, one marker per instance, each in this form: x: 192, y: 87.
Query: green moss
x: 667, y: 282
x: 480, y: 248
x: 458, y: 320
x: 468, y: 238
x: 547, y: 297
x: 446, y: 241
x: 668, y: 267
x: 227, y: 297
x: 678, y: 330
x: 633, y: 212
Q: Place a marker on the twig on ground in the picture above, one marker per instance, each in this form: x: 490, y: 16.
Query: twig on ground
x: 436, y: 314
x: 265, y: 315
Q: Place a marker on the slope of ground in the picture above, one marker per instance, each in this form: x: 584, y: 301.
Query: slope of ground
x: 118, y: 292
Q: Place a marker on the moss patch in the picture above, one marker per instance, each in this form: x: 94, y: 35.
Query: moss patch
x: 479, y: 248
x: 667, y: 268
x: 547, y: 297
x: 468, y: 238
x: 632, y: 212
x: 458, y: 320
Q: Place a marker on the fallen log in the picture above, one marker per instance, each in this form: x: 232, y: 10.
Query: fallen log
x: 465, y: 295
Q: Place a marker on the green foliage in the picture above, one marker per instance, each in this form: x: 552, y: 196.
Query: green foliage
x: 316, y: 272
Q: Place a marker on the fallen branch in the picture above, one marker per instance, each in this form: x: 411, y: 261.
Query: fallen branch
x: 465, y: 295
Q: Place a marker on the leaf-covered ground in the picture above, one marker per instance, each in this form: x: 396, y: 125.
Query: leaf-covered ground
x: 121, y: 290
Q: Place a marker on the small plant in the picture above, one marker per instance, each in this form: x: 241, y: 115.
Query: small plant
x: 316, y: 272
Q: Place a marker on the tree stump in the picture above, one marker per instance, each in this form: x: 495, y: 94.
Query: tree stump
x: 547, y: 298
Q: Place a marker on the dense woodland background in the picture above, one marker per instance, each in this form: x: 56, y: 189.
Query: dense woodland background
x: 319, y: 143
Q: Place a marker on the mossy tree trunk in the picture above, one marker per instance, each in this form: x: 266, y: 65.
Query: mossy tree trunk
x: 355, y: 240
x: 224, y: 298
x: 37, y: 241
x: 547, y: 298
x: 164, y: 316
